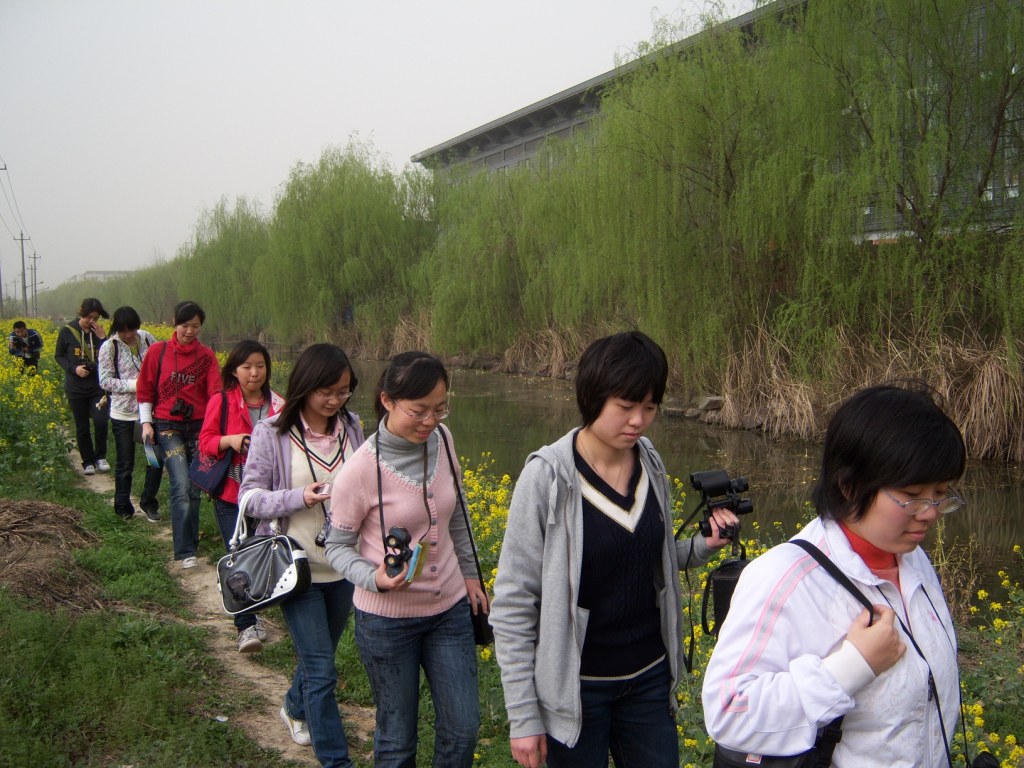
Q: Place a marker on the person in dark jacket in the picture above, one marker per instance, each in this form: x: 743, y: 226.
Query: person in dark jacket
x: 25, y: 344
x: 77, y: 352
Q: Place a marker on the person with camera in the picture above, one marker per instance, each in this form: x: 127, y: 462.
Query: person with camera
x: 797, y: 650
x: 77, y: 350
x: 293, y: 461
x: 397, y: 533
x: 25, y: 344
x: 120, y: 361
x: 245, y: 401
x: 586, y: 617
x: 177, y: 379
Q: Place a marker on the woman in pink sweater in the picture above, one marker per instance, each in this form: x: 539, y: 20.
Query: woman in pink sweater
x: 401, y: 485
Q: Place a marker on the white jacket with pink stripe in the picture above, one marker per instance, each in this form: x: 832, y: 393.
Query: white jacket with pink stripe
x: 781, y: 669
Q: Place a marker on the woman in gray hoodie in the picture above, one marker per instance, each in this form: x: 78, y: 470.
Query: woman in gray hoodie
x: 586, y: 612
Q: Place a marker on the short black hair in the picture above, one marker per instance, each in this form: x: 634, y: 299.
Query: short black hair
x: 628, y: 365
x: 125, y: 319
x: 186, y: 310
x: 92, y: 305
x: 887, y: 436
x: 19, y: 324
x: 409, y: 375
x: 319, y: 365
x: 239, y: 353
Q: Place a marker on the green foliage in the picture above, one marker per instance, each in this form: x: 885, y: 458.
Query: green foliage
x: 833, y: 168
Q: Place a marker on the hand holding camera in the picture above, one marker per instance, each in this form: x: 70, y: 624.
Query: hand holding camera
x: 720, y: 492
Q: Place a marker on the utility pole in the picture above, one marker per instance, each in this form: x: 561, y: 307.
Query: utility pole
x: 24, y: 287
x: 35, y: 283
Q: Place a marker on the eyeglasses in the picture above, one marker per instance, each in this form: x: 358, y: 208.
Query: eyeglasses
x: 326, y: 394
x: 439, y: 415
x: 915, y: 507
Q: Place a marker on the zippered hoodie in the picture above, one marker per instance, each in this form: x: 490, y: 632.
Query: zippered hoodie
x: 186, y: 371
x: 120, y: 380
x: 782, y: 667
x: 76, y: 347
x: 539, y: 628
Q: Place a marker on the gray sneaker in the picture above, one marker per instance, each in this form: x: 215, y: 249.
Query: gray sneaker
x: 261, y: 629
x: 248, y: 642
x: 88, y: 469
x: 152, y: 515
x: 298, y: 729
x: 102, y: 465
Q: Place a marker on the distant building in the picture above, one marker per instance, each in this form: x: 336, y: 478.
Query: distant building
x: 98, y: 275
x: 517, y: 137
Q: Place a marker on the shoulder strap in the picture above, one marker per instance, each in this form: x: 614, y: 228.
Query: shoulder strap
x: 834, y: 572
x: 117, y: 371
x: 462, y: 503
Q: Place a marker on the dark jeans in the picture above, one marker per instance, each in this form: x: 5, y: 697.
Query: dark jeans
x: 178, y: 442
x: 630, y: 718
x: 227, y: 514
x: 393, y: 652
x: 316, y: 619
x: 124, y: 444
x: 84, y: 410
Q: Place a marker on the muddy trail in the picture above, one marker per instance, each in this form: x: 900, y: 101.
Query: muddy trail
x: 243, y: 671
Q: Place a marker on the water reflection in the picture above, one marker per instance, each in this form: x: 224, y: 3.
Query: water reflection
x: 509, y: 416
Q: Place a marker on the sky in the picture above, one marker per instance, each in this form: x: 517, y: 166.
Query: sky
x: 121, y: 121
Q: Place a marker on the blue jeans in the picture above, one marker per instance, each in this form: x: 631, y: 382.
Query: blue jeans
x: 393, y: 651
x: 227, y: 514
x: 316, y: 619
x: 124, y: 444
x: 84, y: 410
x: 630, y: 718
x: 178, y: 441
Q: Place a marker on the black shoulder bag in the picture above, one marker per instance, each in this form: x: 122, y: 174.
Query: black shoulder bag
x: 820, y: 755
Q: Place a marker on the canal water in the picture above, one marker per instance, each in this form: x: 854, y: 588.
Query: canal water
x: 509, y: 416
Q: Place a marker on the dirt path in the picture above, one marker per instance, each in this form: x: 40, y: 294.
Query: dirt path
x: 262, y: 725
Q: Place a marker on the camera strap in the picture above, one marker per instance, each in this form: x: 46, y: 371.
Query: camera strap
x: 312, y: 472
x: 380, y: 491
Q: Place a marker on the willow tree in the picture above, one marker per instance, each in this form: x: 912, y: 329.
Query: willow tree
x: 344, y: 236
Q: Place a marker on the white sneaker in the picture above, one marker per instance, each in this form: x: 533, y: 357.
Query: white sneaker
x: 102, y: 465
x: 261, y: 629
x: 89, y: 469
x: 189, y: 562
x: 248, y: 642
x: 298, y: 729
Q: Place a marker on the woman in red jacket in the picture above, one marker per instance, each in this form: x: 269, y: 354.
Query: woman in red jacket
x: 178, y: 377
x: 245, y: 400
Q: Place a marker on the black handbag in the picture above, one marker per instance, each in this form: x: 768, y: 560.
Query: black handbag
x: 207, y: 471
x: 260, y: 571
x: 482, y: 632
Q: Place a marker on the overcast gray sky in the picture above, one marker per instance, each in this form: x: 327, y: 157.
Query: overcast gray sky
x: 122, y: 120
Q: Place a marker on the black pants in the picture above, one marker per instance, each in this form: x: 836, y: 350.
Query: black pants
x: 85, y: 409
x: 124, y: 444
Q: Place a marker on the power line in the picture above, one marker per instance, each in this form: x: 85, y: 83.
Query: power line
x: 14, y: 208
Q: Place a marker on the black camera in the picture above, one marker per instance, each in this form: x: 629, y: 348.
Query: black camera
x: 719, y: 491
x: 397, y: 540
x: 182, y: 409
x: 89, y: 365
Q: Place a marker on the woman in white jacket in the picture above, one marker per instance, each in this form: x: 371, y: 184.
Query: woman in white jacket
x: 798, y: 651
x: 120, y: 361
